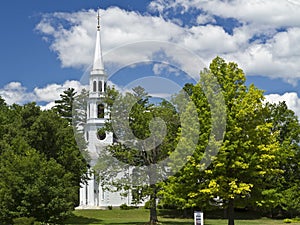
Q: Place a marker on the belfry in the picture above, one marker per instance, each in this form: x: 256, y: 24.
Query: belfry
x: 92, y: 194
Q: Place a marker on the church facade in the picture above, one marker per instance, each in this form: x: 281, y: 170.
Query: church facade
x: 92, y: 195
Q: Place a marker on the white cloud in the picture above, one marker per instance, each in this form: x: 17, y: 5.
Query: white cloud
x: 48, y: 106
x: 52, y: 91
x: 277, y: 58
x: 75, y: 45
x: 267, y: 12
x: 204, y: 18
x: 291, y: 99
x: 256, y: 45
x: 15, y: 92
x: 161, y: 69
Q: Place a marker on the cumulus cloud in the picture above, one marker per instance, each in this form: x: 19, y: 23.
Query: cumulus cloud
x: 291, y: 99
x: 15, y: 92
x: 204, y: 18
x: 265, y: 42
x: 52, y: 91
x: 74, y: 43
x: 267, y: 12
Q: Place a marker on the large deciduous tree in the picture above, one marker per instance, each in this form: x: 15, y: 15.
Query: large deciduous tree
x: 40, y: 164
x: 32, y: 186
x: 283, y: 192
x: 248, y: 156
x: 144, y: 134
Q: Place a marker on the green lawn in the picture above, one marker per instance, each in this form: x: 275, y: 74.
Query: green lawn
x: 140, y: 217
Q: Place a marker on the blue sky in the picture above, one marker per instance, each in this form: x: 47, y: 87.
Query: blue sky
x: 46, y: 46
x: 24, y: 56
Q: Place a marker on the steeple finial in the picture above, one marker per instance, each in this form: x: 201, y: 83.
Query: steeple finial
x: 98, y: 17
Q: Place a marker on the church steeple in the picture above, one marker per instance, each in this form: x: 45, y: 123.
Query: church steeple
x: 98, y: 60
x: 97, y: 75
x: 92, y: 193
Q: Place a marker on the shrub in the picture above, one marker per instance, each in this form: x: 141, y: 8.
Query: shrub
x: 110, y: 207
x: 126, y: 207
x: 24, y: 221
x: 147, y: 205
x: 287, y: 220
x: 296, y: 219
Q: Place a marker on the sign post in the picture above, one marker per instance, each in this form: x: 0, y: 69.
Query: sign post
x: 198, y: 218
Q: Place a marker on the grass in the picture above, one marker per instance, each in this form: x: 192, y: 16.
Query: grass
x: 141, y: 216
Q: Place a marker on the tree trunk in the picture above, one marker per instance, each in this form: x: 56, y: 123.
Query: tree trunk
x: 153, y: 212
x: 230, y: 212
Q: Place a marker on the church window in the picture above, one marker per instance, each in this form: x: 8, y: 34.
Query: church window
x: 100, y: 86
x: 86, y: 194
x: 89, y: 111
x: 103, y: 194
x: 94, y: 86
x: 104, y: 86
x: 87, y: 136
x: 101, y: 134
x: 100, y: 111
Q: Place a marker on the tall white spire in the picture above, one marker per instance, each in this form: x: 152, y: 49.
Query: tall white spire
x: 98, y: 60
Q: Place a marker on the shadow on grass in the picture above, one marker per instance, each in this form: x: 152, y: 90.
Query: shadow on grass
x: 159, y: 223
x: 76, y: 220
x: 173, y: 213
x: 214, y: 214
x: 176, y: 223
x: 129, y: 223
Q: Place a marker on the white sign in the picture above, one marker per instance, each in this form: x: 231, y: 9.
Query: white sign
x: 198, y: 218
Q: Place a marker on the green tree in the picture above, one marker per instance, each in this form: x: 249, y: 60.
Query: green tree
x: 41, y: 165
x: 64, y: 106
x: 249, y: 154
x: 79, y: 119
x: 145, y: 134
x: 52, y: 136
x: 285, y: 187
x: 32, y: 186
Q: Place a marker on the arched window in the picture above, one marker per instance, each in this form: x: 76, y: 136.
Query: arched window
x: 100, y: 111
x: 104, y: 86
x: 100, y: 86
x: 87, y: 136
x: 94, y: 86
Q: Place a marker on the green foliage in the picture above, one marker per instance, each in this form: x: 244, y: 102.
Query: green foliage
x: 32, y: 186
x: 64, y: 106
x: 101, y: 133
x: 24, y: 221
x: 126, y: 207
x: 147, y: 205
x: 290, y: 200
x: 249, y: 157
x: 145, y: 134
x: 287, y: 221
x: 79, y: 112
x: 40, y: 164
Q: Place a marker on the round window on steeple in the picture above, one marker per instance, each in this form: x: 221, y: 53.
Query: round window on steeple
x: 101, y: 134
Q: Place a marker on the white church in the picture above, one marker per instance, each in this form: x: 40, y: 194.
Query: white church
x: 92, y: 195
